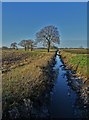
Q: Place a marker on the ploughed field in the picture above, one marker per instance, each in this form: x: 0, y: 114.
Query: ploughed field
x: 25, y: 74
x: 77, y: 60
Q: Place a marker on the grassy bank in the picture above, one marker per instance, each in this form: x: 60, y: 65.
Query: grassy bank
x: 77, y: 60
x: 25, y: 75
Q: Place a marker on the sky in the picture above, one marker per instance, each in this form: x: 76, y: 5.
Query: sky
x: 45, y: 0
x: 22, y: 20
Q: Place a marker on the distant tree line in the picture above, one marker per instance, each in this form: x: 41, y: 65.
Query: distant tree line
x: 27, y: 44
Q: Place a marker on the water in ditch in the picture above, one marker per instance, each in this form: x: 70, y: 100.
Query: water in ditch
x: 64, y: 102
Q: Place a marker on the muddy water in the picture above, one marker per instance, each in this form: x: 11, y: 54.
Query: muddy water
x: 65, y: 103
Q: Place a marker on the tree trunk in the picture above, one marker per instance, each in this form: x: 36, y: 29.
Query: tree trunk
x: 31, y: 47
x: 48, y: 46
x: 25, y: 48
x: 28, y: 47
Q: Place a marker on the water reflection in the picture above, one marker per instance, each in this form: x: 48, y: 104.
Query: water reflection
x: 65, y: 102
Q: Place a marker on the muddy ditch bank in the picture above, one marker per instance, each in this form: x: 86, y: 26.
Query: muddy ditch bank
x: 35, y: 104
x: 77, y: 83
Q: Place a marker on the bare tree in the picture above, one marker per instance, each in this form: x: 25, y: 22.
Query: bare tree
x: 23, y: 44
x: 13, y: 45
x: 48, y: 35
x: 30, y: 44
x: 26, y: 44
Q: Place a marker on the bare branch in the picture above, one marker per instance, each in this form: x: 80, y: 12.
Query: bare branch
x: 48, y: 35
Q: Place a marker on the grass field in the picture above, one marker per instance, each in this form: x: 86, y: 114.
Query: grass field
x: 25, y: 75
x: 78, y: 60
